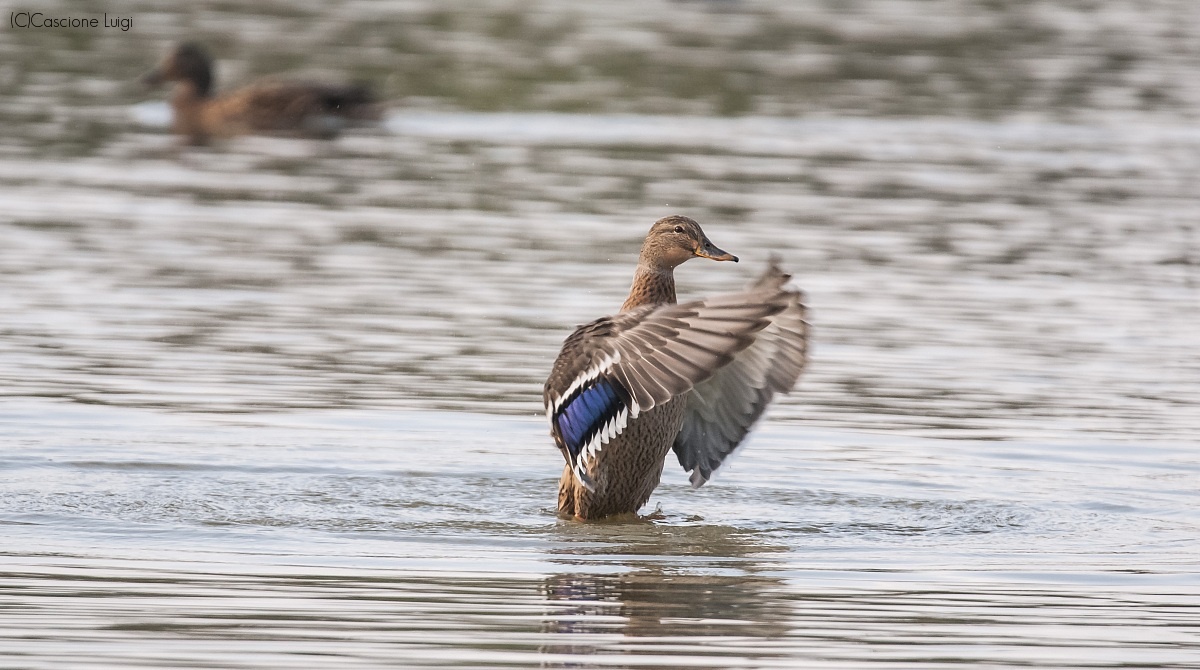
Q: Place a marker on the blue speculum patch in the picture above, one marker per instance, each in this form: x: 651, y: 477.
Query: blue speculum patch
x: 581, y: 418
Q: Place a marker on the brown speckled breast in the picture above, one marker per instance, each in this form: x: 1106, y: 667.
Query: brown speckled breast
x: 627, y: 469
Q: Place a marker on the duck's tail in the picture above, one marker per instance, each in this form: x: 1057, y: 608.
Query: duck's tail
x: 352, y: 101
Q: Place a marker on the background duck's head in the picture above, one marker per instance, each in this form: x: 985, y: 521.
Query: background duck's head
x: 188, y: 62
x: 674, y: 239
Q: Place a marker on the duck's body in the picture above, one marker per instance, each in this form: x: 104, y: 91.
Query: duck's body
x: 303, y: 108
x: 634, y: 463
x: 628, y: 388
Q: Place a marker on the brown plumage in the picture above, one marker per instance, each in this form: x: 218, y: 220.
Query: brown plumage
x: 302, y: 108
x: 692, y: 377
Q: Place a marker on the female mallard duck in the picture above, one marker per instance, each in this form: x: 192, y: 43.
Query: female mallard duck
x: 304, y: 108
x: 693, y: 377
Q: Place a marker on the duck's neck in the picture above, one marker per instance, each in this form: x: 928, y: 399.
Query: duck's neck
x: 187, y: 91
x: 652, y: 285
x: 188, y: 107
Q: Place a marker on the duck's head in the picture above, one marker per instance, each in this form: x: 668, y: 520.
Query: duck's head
x: 675, y: 239
x: 188, y: 62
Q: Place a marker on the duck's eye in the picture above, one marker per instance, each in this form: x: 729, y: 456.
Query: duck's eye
x: 679, y: 229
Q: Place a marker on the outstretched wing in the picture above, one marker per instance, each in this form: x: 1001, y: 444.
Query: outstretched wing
x: 611, y: 370
x: 722, y: 409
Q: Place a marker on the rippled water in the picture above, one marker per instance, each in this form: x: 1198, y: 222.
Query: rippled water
x: 427, y: 538
x: 276, y: 403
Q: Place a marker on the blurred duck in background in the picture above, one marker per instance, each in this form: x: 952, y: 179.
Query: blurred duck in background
x: 300, y: 108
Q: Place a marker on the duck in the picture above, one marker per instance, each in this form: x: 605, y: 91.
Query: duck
x: 302, y: 108
x: 662, y: 376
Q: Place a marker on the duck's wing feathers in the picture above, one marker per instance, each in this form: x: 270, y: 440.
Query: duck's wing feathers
x: 611, y: 370
x: 722, y: 409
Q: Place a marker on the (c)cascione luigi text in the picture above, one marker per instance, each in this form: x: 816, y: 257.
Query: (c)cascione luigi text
x: 41, y: 21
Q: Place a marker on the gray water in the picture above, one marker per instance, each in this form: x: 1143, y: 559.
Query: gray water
x: 276, y: 403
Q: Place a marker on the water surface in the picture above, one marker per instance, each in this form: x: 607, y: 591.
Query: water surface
x: 427, y: 539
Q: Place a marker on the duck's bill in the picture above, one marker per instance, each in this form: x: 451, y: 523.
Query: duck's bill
x: 709, y: 250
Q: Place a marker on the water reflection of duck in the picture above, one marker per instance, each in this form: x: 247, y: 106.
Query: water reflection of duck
x: 694, y: 377
x: 714, y: 590
x: 305, y: 108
